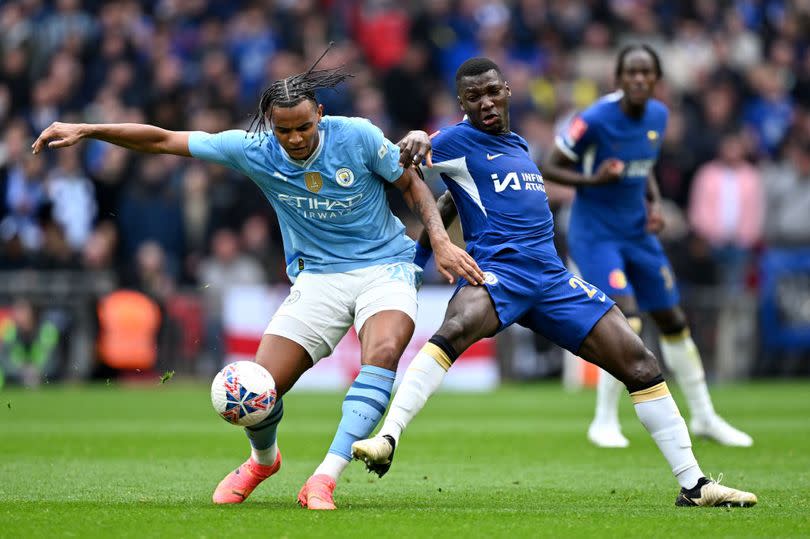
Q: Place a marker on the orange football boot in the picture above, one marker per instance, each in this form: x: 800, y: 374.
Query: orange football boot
x: 238, y: 484
x: 317, y: 493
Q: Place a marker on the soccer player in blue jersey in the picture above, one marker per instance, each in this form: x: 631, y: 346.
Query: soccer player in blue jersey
x: 347, y: 254
x: 500, y: 198
x: 608, y: 152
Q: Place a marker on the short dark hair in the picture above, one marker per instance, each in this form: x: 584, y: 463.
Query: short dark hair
x: 476, y: 66
x: 291, y: 91
x: 639, y: 47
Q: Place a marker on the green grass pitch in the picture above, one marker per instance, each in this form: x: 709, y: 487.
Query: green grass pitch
x: 111, y: 461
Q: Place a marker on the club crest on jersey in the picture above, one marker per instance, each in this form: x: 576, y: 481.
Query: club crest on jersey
x: 490, y: 278
x: 344, y: 177
x: 313, y: 181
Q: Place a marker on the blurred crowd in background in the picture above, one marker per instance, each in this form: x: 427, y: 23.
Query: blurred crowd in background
x: 734, y: 166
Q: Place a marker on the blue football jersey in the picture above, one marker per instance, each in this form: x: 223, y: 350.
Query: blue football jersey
x: 503, y: 207
x: 604, y: 131
x: 332, y: 207
x: 498, y: 189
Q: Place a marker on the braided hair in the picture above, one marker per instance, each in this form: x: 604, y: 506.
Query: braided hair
x: 291, y: 91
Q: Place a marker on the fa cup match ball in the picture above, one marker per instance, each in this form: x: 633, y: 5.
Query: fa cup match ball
x: 243, y: 393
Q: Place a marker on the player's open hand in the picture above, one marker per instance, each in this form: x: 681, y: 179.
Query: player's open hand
x: 610, y: 171
x: 415, y: 147
x: 58, y: 135
x: 452, y: 260
x: 655, y: 217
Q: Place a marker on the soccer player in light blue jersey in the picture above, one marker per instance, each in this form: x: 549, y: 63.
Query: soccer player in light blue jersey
x: 500, y: 197
x: 608, y: 152
x: 347, y: 255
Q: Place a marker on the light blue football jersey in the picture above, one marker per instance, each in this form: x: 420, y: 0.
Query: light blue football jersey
x: 332, y: 207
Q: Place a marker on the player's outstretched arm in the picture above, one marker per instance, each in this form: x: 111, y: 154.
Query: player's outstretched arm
x: 138, y: 137
x: 559, y: 169
x: 449, y: 258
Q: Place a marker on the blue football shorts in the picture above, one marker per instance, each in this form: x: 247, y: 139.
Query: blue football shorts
x: 622, y: 267
x: 535, y: 290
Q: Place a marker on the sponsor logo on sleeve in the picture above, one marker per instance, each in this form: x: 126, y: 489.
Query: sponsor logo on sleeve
x: 576, y: 129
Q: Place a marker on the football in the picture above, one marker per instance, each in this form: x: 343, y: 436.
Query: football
x: 243, y: 393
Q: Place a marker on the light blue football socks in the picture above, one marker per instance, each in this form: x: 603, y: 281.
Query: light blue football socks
x: 363, y: 407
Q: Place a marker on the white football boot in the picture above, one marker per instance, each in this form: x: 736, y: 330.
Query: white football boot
x: 607, y: 435
x: 717, y: 429
x: 710, y: 493
x: 376, y: 452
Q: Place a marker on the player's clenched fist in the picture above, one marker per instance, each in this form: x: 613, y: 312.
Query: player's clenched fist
x: 609, y: 171
x: 451, y: 259
x: 58, y: 135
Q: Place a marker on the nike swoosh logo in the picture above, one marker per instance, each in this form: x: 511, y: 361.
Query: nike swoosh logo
x: 491, y: 157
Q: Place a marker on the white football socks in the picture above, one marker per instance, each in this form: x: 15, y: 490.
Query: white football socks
x: 608, y: 391
x: 332, y: 465
x: 659, y: 414
x: 265, y: 457
x: 683, y: 360
x: 422, y: 378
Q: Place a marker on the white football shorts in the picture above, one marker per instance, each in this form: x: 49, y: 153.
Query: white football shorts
x: 321, y: 307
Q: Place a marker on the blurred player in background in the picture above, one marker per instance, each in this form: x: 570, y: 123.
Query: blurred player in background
x: 500, y: 197
x: 348, y: 256
x: 608, y: 152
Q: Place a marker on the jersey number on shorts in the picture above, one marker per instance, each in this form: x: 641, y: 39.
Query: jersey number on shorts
x: 402, y: 272
x: 588, y: 288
